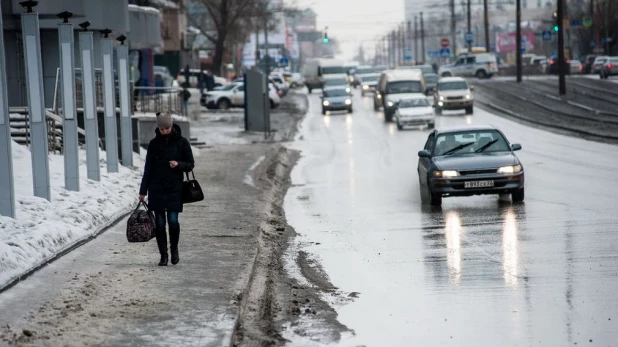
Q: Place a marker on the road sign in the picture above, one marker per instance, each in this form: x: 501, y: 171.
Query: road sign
x: 546, y: 35
x: 592, y: 44
x: 445, y: 42
x: 469, y: 36
x: 408, y: 54
x: 576, y: 22
x: 587, y: 21
x: 445, y: 52
x: 283, y: 62
x: 524, y: 43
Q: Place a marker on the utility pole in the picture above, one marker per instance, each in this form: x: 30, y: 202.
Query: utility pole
x: 486, y: 24
x: 416, y: 52
x: 561, y: 60
x: 469, y: 26
x: 422, y: 39
x: 453, y: 28
x: 518, y: 40
x: 401, y: 45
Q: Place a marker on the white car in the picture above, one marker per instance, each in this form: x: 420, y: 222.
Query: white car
x: 233, y: 95
x: 414, y: 111
x: 281, y: 83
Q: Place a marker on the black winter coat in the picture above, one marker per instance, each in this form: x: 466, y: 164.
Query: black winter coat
x: 160, y: 182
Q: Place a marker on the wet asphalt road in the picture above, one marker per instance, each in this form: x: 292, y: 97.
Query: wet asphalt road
x: 476, y: 272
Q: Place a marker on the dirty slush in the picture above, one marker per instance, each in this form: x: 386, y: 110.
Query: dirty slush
x: 99, y: 307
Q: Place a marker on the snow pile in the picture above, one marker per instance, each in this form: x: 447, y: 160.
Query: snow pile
x: 42, y: 228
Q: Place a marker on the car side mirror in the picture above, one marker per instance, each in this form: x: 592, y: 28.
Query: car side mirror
x: 516, y: 147
x: 471, y: 89
x: 424, y: 154
x: 433, y: 105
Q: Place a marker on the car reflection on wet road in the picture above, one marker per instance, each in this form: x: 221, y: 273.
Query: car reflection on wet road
x: 478, y: 271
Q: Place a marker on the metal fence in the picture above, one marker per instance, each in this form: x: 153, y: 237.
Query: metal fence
x: 157, y: 99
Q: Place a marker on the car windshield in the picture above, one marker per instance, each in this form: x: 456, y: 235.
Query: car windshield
x: 364, y: 70
x: 433, y: 79
x: 414, y: 103
x: 470, y: 142
x: 370, y: 78
x: 335, y: 82
x: 329, y: 70
x: 405, y: 87
x: 335, y: 92
x: 453, y: 85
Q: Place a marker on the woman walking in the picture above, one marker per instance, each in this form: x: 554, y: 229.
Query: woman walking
x: 169, y: 155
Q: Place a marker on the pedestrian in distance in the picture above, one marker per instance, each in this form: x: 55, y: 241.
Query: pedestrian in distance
x: 168, y: 157
x: 210, y: 81
x: 185, y: 94
x: 187, y: 74
x: 201, y: 81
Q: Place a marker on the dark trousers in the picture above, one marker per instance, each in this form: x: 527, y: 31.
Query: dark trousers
x: 172, y: 220
x: 174, y: 228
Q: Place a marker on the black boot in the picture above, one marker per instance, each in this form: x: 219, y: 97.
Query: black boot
x: 174, y: 237
x: 162, y: 243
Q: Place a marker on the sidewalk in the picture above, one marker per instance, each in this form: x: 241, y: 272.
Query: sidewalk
x: 109, y: 292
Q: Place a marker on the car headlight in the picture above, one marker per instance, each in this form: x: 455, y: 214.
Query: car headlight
x: 441, y: 98
x: 468, y: 96
x: 326, y: 103
x: 390, y: 104
x: 440, y: 103
x: 365, y: 86
x: 347, y: 90
x: 511, y: 169
x: 348, y: 102
x: 446, y: 173
x: 379, y: 96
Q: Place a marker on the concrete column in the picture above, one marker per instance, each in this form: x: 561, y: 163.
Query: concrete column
x: 69, y: 114
x: 126, y: 133
x: 109, y: 96
x: 7, y: 187
x: 36, y: 105
x: 90, y: 105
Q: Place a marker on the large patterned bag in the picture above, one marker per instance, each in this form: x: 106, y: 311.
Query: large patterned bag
x: 141, y: 225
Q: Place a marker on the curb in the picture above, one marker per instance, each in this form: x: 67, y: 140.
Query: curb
x: 60, y: 254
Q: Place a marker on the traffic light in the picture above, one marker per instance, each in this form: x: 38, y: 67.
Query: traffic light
x: 556, y: 26
x: 326, y: 39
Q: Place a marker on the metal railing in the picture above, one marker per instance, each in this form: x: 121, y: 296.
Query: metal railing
x: 157, y: 99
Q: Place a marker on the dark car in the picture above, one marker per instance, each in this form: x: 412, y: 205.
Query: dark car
x: 469, y: 161
x: 336, y: 99
x: 552, y: 66
x: 431, y: 82
x: 588, y: 61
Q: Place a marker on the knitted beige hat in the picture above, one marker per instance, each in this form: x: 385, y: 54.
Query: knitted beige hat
x: 164, y: 120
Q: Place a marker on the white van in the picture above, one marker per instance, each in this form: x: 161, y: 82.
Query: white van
x: 481, y: 65
x: 315, y: 69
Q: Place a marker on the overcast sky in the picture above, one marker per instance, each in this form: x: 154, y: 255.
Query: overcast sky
x: 356, y: 21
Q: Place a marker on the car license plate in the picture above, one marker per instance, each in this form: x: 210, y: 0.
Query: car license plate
x: 478, y: 184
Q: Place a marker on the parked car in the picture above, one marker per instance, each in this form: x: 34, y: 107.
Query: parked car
x: 469, y: 161
x: 280, y: 82
x: 483, y: 65
x: 336, y: 99
x: 162, y: 76
x: 598, y: 63
x: 297, y: 80
x: 610, y: 68
x: 415, y: 111
x: 575, y: 67
x: 233, y: 95
x: 453, y: 93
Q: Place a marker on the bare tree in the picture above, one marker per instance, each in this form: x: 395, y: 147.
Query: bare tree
x: 220, y: 21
